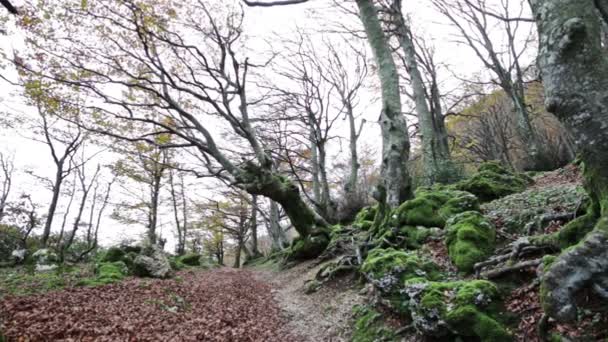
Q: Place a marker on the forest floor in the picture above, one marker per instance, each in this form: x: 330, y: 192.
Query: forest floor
x: 216, y: 305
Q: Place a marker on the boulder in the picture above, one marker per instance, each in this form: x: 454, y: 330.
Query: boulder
x: 45, y: 260
x: 152, y: 263
x: 18, y: 255
x: 493, y: 181
x: 470, y: 238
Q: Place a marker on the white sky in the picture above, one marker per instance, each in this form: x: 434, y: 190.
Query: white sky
x: 260, y: 24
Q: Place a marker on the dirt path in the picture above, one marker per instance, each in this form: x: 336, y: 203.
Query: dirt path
x: 218, y: 305
x: 325, y: 315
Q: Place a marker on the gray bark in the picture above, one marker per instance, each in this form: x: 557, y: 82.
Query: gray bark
x: 395, y: 138
x: 277, y: 235
x: 435, y: 154
x: 575, y: 75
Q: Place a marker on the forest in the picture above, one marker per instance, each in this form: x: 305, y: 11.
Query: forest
x: 304, y: 170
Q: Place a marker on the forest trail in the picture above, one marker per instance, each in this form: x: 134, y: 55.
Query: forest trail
x: 217, y: 305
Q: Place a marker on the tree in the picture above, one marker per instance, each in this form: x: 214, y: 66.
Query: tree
x: 396, y: 185
x: 180, y: 208
x: 8, y: 168
x: 63, y: 142
x: 179, y: 61
x: 145, y: 165
x: 574, y: 71
x: 435, y: 151
x: 474, y: 19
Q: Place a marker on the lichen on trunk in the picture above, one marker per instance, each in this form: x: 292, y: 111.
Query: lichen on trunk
x: 575, y: 75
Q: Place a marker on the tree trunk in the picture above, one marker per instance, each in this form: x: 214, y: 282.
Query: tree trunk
x: 237, y: 253
x: 351, y: 183
x: 261, y: 181
x: 255, y: 253
x: 279, y: 240
x: 53, y: 206
x: 575, y: 75
x: 395, y: 138
x: 154, y: 201
x: 314, y: 166
x: 432, y: 159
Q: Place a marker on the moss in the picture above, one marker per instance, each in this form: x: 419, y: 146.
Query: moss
x: 369, y: 326
x: 191, y: 259
x: 307, y: 248
x: 468, y: 321
x: 470, y: 239
x: 391, y: 268
x: 492, y: 181
x: 365, y: 218
x: 113, y: 254
x: 463, y: 308
x: 432, y: 207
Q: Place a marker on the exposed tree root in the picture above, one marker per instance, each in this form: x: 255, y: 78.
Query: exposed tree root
x: 506, y: 269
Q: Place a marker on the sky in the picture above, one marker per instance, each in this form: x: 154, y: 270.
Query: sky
x: 260, y: 26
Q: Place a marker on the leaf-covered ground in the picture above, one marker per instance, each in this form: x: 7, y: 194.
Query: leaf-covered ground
x: 217, y: 305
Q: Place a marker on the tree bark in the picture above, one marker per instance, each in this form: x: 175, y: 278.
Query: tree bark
x: 279, y: 240
x: 395, y: 138
x: 575, y: 76
x: 434, y: 143
x: 53, y: 205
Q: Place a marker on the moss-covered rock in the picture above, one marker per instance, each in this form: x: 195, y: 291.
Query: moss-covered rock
x: 462, y: 308
x: 113, y: 254
x: 470, y: 239
x: 190, y: 259
x: 390, y: 268
x: 107, y: 273
x: 493, y: 181
x: 432, y: 207
x: 369, y: 326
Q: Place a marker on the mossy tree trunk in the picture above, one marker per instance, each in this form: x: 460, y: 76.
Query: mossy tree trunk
x: 395, y: 139
x: 575, y: 75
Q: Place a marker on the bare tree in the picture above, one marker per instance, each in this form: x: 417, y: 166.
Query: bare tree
x: 8, y: 167
x: 186, y: 70
x: 474, y: 20
x: 180, y: 208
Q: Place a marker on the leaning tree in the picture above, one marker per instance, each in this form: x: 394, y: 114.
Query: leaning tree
x: 176, y: 68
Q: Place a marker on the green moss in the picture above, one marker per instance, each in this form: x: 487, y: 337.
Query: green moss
x: 470, y: 239
x: 191, y: 259
x: 468, y: 321
x: 369, y: 326
x: 113, y: 254
x: 307, y: 248
x: 492, y: 181
x: 106, y: 273
x: 463, y: 308
x: 365, y: 218
x: 390, y: 267
x: 432, y: 207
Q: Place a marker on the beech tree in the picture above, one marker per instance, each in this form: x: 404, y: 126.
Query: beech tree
x: 8, y: 168
x: 574, y: 71
x: 178, y: 60
x: 435, y: 151
x: 396, y: 184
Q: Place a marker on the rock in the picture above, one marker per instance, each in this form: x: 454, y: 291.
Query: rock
x: 459, y: 307
x: 389, y: 268
x: 470, y: 239
x: 113, y: 254
x: 191, y: 259
x: 45, y: 260
x: 152, y: 263
x: 45, y: 268
x: 432, y: 207
x: 18, y: 255
x: 493, y: 181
